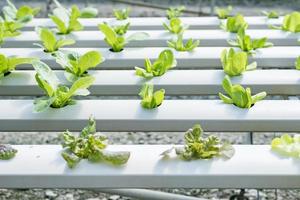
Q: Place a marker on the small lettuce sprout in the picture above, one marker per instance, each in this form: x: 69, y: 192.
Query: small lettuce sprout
x: 50, y: 42
x: 270, y: 15
x: 297, y: 63
x: 174, y: 12
x: 5, y: 31
x: 175, y: 26
x: 164, y: 62
x: 245, y: 43
x: 234, y: 24
x: 223, y: 13
x: 66, y: 20
x: 76, y: 65
x: 121, y: 29
x: 90, y: 145
x: 151, y: 99
x: 57, y: 95
x: 239, y: 96
x: 118, y: 42
x: 88, y: 12
x: 178, y: 44
x: 291, y: 23
x: 121, y: 14
x: 9, y: 64
x: 235, y: 63
x: 198, y: 147
x: 7, y: 152
x: 287, y: 145
x: 23, y: 14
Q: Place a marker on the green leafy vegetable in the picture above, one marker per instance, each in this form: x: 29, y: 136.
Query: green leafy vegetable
x: 239, y: 96
x: 7, y: 152
x: 223, y: 13
x: 271, y: 15
x: 165, y: 61
x: 23, y: 14
x: 50, y: 42
x: 5, y: 31
x: 245, y: 43
x: 234, y: 24
x: 89, y: 12
x: 287, y: 145
x: 291, y: 23
x: 235, y: 63
x: 76, y: 65
x: 66, y: 20
x: 57, y: 95
x: 121, y: 29
x: 174, y: 12
x: 297, y: 63
x: 175, y: 26
x: 178, y: 44
x: 197, y: 147
x: 151, y: 99
x: 117, y: 42
x: 8, y: 64
x: 90, y: 145
x: 122, y: 14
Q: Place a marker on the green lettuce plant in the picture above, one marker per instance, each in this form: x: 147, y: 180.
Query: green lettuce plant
x: 287, y: 145
x: 174, y: 12
x: 245, y: 43
x: 57, y: 95
x: 163, y: 63
x: 175, y: 26
x: 7, y: 152
x: 271, y: 15
x: 234, y: 24
x: 76, y: 65
x: 23, y: 14
x: 9, y: 64
x: 66, y: 20
x: 50, y: 42
x: 198, y: 147
x: 121, y: 29
x: 89, y: 12
x: 5, y: 32
x: 151, y: 99
x: 178, y: 44
x: 121, y: 14
x: 235, y: 63
x: 291, y: 23
x: 223, y: 13
x: 297, y: 63
x: 90, y: 145
x: 118, y: 42
x: 239, y: 96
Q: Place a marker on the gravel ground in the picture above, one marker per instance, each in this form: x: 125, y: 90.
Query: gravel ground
x: 246, y: 7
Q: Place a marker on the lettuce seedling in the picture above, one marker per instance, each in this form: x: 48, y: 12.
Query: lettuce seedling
x: 117, y: 42
x: 297, y: 63
x: 23, y: 14
x: 90, y: 145
x: 89, y: 12
x: 66, y: 20
x: 50, y: 42
x: 151, y: 99
x: 175, y: 26
x: 291, y: 23
x: 9, y: 64
x: 223, y: 13
x: 287, y: 145
x: 270, y: 15
x: 57, y: 95
x: 234, y: 24
x: 76, y: 65
x: 121, y: 14
x: 174, y: 12
x: 5, y: 32
x: 239, y: 96
x: 7, y: 152
x: 198, y: 147
x: 178, y: 44
x: 235, y: 63
x: 121, y: 29
x: 164, y: 62
x: 245, y: 43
